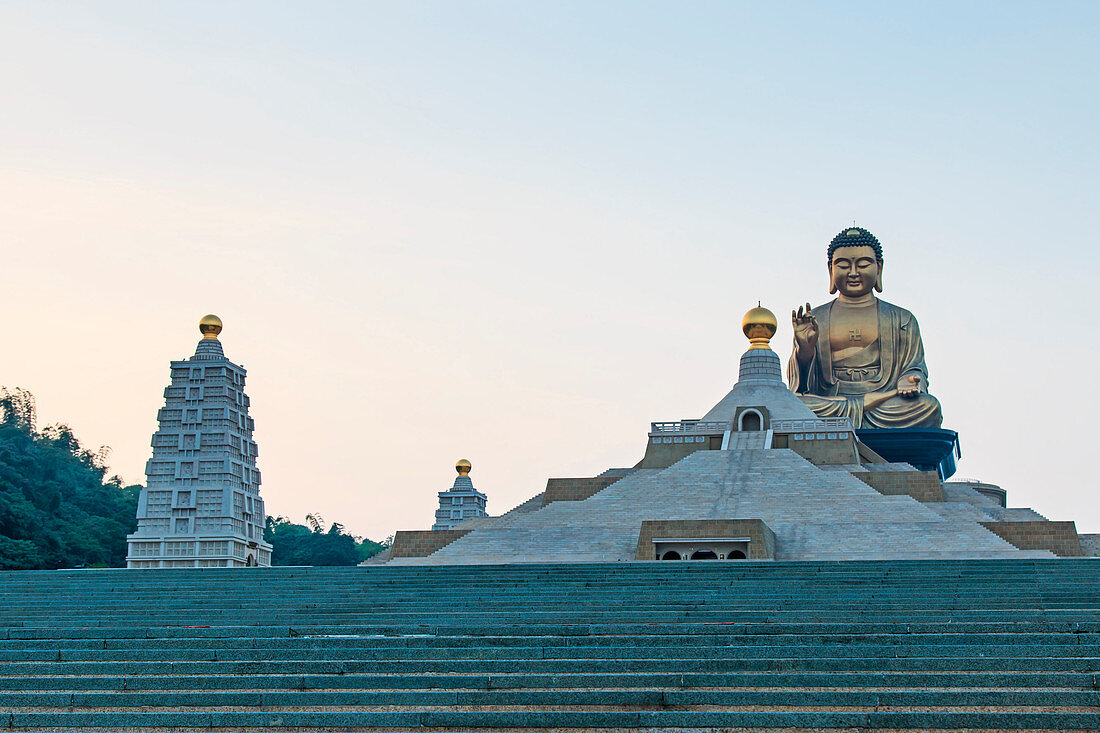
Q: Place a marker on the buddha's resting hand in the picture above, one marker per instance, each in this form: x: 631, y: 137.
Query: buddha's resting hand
x: 805, y: 333
x: 871, y: 400
x: 910, y: 385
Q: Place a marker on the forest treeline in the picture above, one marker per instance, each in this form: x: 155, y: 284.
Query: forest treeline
x: 59, y: 509
x: 297, y: 544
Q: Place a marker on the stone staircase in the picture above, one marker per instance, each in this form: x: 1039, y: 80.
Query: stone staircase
x: 899, y: 645
x: 815, y: 514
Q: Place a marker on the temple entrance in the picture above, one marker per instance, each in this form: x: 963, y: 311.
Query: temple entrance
x: 700, y: 548
x: 751, y: 421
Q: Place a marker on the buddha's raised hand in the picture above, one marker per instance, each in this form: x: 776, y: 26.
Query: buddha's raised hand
x: 805, y: 330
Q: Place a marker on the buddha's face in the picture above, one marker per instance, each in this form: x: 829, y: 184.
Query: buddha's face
x: 855, y: 271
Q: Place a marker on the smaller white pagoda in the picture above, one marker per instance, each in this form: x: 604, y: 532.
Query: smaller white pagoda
x: 461, y: 502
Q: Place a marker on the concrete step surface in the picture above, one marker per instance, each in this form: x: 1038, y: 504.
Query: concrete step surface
x: 905, y: 645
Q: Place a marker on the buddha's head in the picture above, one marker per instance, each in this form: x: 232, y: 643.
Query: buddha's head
x: 855, y: 263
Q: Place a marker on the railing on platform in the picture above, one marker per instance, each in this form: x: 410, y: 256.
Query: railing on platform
x: 692, y: 427
x: 810, y: 426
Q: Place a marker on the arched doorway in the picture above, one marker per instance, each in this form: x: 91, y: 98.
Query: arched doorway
x: 251, y: 562
x: 671, y: 555
x: 703, y: 555
x: 751, y: 421
x: 735, y: 555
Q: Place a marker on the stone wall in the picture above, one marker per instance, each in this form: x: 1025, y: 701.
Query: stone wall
x: 761, y: 546
x: 1090, y: 544
x: 423, y: 542
x: 663, y: 455
x: 921, y: 485
x: 1058, y: 537
x: 825, y: 452
x: 820, y: 452
x: 575, y: 489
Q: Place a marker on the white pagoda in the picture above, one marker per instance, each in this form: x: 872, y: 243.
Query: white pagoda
x: 461, y: 502
x: 201, y: 505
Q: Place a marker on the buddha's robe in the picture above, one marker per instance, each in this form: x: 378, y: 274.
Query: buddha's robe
x: 836, y: 388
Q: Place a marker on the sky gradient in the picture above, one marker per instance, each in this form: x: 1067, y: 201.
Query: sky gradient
x: 517, y: 232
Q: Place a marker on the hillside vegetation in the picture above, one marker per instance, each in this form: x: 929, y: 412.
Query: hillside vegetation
x: 296, y: 544
x: 57, y: 508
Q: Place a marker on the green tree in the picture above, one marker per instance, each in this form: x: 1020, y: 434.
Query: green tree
x: 57, y: 509
x: 368, y: 548
x: 296, y: 544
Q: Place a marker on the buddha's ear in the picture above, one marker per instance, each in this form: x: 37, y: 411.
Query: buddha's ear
x: 878, y: 283
x: 832, y: 283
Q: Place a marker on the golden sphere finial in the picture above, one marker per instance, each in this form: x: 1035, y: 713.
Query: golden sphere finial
x: 463, y: 467
x: 210, y: 326
x: 759, y: 326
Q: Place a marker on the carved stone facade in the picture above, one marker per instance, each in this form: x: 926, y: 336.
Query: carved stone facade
x: 201, y: 505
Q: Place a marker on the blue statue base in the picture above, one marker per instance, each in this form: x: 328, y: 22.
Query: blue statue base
x: 928, y: 449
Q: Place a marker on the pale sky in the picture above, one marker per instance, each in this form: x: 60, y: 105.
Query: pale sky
x: 519, y: 232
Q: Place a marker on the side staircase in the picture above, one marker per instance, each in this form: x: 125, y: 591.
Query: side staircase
x: 898, y: 645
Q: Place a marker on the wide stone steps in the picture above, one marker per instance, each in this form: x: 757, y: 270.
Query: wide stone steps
x: 181, y: 649
x: 445, y: 650
x: 592, y: 666
x: 1001, y: 645
x: 643, y: 697
x: 787, y: 680
x: 454, y: 719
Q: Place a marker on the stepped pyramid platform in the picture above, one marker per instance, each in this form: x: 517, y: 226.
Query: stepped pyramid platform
x: 759, y: 476
x: 820, y: 515
x: 794, y: 646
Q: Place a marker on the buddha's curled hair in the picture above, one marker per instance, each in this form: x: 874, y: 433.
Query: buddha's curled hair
x: 855, y: 237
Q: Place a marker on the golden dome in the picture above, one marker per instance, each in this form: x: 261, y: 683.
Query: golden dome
x: 759, y: 326
x: 210, y: 326
x: 463, y: 467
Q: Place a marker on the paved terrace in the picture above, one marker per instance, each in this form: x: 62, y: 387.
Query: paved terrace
x: 901, y: 645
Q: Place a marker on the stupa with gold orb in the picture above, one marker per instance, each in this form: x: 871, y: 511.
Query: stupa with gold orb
x: 461, y: 502
x: 759, y: 326
x: 210, y: 326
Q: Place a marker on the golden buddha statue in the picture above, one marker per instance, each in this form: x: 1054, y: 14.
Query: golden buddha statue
x: 860, y: 357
